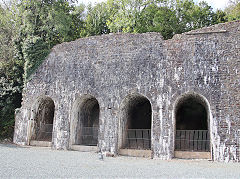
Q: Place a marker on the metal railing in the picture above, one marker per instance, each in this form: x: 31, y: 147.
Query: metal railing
x: 192, y: 140
x: 138, y: 139
x: 89, y: 136
x: 45, y: 132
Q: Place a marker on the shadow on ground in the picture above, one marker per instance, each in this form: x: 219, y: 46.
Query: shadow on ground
x: 9, y: 145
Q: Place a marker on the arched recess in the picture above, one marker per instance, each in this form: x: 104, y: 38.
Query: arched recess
x: 85, y: 121
x: 135, y: 123
x: 42, y: 120
x: 192, y: 127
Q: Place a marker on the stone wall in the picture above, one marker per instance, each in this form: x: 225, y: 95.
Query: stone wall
x: 204, y: 63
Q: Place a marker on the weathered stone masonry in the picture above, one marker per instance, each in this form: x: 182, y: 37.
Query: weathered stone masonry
x: 204, y: 63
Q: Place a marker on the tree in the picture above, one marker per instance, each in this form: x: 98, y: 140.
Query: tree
x: 124, y: 15
x: 96, y: 20
x: 11, y: 71
x: 220, y: 17
x: 233, y: 10
x: 168, y: 17
x: 145, y: 22
x: 28, y: 30
x: 165, y: 21
x: 193, y: 16
x: 44, y: 24
x: 78, y: 21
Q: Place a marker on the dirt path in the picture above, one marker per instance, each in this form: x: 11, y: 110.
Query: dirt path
x: 36, y: 162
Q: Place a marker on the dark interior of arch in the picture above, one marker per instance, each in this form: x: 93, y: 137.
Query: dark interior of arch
x: 192, y: 126
x: 44, y: 120
x: 88, y: 122
x: 191, y: 115
x: 138, y: 115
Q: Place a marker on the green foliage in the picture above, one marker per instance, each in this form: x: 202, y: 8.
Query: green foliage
x: 165, y: 21
x: 28, y: 30
x: 168, y: 17
x: 77, y: 21
x: 220, y: 17
x: 193, y: 16
x: 35, y: 50
x: 45, y: 24
x: 9, y: 101
x: 10, y: 73
x: 96, y: 20
x: 161, y: 19
x: 233, y: 10
x: 10, y: 94
x: 124, y: 15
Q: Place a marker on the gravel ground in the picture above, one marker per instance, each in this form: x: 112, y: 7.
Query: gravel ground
x: 37, y: 162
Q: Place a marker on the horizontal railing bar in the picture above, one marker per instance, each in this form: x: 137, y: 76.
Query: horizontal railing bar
x: 89, y: 127
x: 192, y: 130
x: 138, y: 139
x: 138, y: 129
x: 192, y: 140
x: 187, y: 149
x: 46, y: 132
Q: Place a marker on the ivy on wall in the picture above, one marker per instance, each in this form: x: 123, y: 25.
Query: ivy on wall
x: 35, y: 50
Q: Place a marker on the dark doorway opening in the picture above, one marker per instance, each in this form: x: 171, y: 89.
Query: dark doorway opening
x: 88, y: 123
x: 43, y: 121
x: 137, y: 115
x: 192, y: 132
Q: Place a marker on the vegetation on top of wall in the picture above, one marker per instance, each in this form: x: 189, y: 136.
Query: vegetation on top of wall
x: 29, y: 29
x: 35, y: 50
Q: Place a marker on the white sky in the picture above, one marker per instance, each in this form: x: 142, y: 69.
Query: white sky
x: 216, y: 4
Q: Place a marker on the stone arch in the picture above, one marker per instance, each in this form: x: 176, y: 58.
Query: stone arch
x: 84, y: 125
x: 192, y: 130
x: 135, y: 121
x: 42, y: 119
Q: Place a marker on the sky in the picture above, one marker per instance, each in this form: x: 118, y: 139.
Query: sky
x: 216, y: 4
